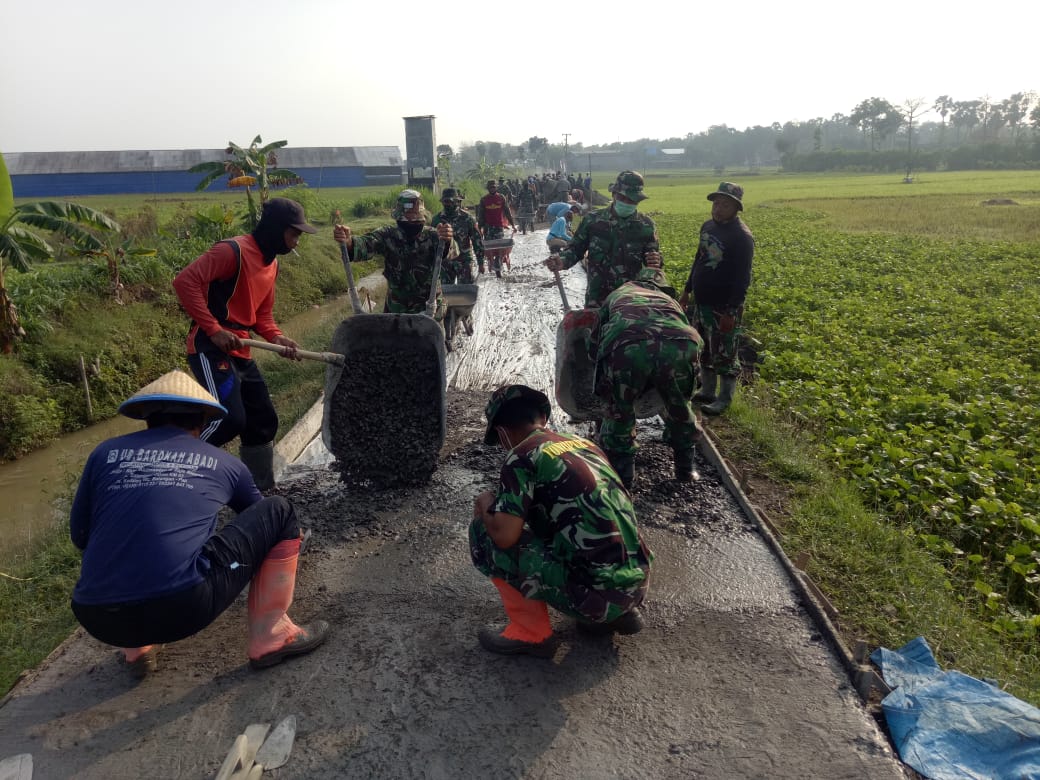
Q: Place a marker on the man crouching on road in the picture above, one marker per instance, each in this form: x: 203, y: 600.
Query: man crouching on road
x: 559, y: 530
x: 155, y: 569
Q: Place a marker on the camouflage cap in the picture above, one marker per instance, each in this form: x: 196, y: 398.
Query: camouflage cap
x: 730, y: 190
x: 655, y: 277
x: 504, y: 395
x: 409, y: 202
x: 450, y: 193
x: 629, y: 184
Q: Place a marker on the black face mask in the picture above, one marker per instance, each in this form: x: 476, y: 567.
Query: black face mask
x: 410, y: 229
x: 270, y: 237
x: 451, y: 209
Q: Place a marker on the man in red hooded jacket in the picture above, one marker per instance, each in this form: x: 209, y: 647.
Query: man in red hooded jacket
x: 229, y: 291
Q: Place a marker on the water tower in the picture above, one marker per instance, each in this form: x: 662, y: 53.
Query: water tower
x: 421, y: 151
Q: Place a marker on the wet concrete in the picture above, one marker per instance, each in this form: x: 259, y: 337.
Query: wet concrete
x: 730, y: 678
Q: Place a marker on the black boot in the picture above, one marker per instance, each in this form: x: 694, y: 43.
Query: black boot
x: 629, y: 623
x: 259, y: 459
x: 625, y: 466
x: 684, y: 470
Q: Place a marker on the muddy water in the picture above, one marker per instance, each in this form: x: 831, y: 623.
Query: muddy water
x: 32, y: 486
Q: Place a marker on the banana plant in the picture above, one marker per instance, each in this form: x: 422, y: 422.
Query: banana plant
x: 20, y: 246
x: 113, y: 254
x: 252, y: 166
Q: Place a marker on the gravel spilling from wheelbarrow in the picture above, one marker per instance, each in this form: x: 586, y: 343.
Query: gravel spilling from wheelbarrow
x: 385, y: 421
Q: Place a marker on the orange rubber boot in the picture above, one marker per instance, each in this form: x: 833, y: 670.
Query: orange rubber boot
x: 273, y: 637
x: 528, y: 631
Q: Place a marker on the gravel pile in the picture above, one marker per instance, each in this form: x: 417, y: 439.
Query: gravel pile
x: 384, y: 416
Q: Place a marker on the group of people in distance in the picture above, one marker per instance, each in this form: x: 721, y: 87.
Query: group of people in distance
x: 558, y: 529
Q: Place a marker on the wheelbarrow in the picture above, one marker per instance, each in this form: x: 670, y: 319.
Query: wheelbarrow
x: 496, y: 253
x: 459, y: 299
x: 384, y: 413
x: 576, y: 367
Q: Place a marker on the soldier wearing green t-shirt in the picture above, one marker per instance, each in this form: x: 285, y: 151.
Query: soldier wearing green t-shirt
x: 559, y: 530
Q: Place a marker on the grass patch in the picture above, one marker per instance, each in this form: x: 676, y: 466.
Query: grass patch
x: 35, y: 616
x: 887, y: 589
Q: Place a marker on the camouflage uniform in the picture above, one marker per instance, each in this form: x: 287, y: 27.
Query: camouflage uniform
x: 470, y: 242
x: 616, y: 246
x: 408, y: 266
x: 645, y: 341
x: 580, y: 550
x: 527, y: 204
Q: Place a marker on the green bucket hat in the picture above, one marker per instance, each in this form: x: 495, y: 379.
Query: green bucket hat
x: 504, y: 395
x: 730, y: 190
x: 629, y: 184
x: 450, y: 193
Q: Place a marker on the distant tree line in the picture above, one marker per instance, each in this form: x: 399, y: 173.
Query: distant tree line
x: 875, y: 135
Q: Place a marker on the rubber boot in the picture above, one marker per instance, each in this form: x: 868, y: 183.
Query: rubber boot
x: 709, y: 381
x: 273, y: 637
x: 528, y: 632
x: 625, y: 466
x: 684, y: 470
x: 729, y: 386
x: 141, y: 661
x: 629, y: 623
x: 259, y: 459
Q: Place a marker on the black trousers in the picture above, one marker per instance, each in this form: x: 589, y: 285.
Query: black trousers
x: 235, y: 554
x: 238, y: 384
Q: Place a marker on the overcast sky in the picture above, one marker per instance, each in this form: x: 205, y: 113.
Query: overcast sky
x: 116, y: 74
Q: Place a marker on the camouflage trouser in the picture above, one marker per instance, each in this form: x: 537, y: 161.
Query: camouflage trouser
x: 720, y: 349
x: 668, y: 366
x: 491, y: 232
x: 532, y: 568
x: 459, y: 270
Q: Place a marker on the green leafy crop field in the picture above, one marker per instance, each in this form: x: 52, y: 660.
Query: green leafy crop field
x: 899, y: 325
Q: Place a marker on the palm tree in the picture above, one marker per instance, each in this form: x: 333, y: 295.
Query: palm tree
x: 248, y: 167
x: 20, y: 246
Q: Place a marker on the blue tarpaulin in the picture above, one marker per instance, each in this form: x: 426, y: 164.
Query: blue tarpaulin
x: 949, y: 726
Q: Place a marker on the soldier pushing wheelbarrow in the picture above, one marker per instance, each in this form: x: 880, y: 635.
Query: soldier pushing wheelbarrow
x: 493, y: 216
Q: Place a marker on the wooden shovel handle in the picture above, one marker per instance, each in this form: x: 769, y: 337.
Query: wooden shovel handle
x: 325, y: 357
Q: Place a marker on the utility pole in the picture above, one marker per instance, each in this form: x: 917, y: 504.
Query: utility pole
x: 566, y: 149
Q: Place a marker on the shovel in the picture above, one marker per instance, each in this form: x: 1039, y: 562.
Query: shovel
x: 384, y: 411
x: 277, y: 747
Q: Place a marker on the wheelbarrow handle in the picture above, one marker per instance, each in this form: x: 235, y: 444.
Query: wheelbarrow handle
x: 355, y: 301
x: 563, y: 292
x: 325, y: 357
x: 443, y: 248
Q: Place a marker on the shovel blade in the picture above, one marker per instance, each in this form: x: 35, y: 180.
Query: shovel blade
x: 277, y: 747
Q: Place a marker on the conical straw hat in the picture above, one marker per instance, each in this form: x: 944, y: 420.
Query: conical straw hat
x: 171, y: 392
